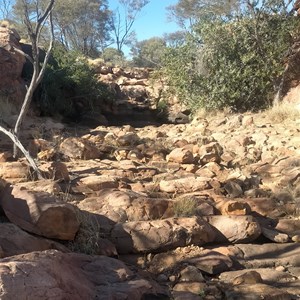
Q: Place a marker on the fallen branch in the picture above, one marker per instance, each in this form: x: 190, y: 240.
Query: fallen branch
x: 18, y: 144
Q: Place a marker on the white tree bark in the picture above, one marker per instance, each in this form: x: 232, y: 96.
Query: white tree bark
x: 38, y: 73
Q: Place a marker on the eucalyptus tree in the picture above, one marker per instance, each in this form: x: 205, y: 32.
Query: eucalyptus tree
x: 122, y: 21
x: 148, y: 53
x: 82, y: 25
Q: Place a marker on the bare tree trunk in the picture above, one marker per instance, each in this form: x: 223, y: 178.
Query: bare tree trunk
x: 38, y: 72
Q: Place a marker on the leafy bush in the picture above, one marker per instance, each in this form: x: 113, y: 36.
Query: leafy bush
x: 69, y: 87
x: 231, y: 63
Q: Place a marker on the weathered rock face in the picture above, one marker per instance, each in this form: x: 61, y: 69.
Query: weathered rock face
x: 55, y: 275
x: 137, y: 95
x: 12, y: 88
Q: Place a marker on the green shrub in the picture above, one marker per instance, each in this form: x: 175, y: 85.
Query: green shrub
x: 70, y: 88
x: 232, y: 63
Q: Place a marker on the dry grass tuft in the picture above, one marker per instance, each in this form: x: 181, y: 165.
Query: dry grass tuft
x: 185, y: 207
x: 88, y: 237
x: 282, y: 112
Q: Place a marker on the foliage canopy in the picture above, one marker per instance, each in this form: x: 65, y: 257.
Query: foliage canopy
x: 234, y: 61
x: 69, y: 88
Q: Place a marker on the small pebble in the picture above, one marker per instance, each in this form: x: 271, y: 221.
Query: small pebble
x: 296, y: 238
x: 172, y: 278
x: 280, y: 268
x: 162, y: 278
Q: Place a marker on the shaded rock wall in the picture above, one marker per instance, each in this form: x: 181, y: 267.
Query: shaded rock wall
x: 137, y: 91
x: 12, y: 88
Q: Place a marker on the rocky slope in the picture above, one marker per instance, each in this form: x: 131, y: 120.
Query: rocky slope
x: 206, y: 210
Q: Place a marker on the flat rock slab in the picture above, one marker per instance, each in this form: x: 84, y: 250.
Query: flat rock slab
x: 97, y: 183
x: 14, y: 172
x: 55, y: 275
x: 79, y: 148
x: 268, y: 275
x: 274, y: 235
x: 268, y: 255
x: 204, y: 260
x: 257, y: 291
x: 161, y: 235
x: 39, y: 213
x: 185, y: 185
x: 289, y: 226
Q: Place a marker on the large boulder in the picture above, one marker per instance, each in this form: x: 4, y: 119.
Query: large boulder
x: 235, y: 229
x: 39, y: 213
x: 79, y: 148
x: 55, y: 275
x: 161, y: 235
x: 123, y: 206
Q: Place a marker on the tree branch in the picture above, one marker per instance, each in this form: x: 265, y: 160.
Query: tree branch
x: 23, y: 53
x: 43, y: 69
x: 17, y: 143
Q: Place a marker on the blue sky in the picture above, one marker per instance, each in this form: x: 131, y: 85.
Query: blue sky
x: 152, y: 21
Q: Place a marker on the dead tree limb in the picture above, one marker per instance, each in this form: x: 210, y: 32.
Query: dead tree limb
x: 18, y: 144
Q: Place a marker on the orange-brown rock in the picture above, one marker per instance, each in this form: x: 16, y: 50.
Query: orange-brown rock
x: 210, y: 153
x: 39, y: 213
x: 233, y: 207
x: 181, y: 155
x: 14, y: 172
x: 185, y: 185
x: 123, y: 206
x: 43, y: 185
x: 55, y: 170
x: 235, y: 229
x: 96, y: 183
x: 78, y: 148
